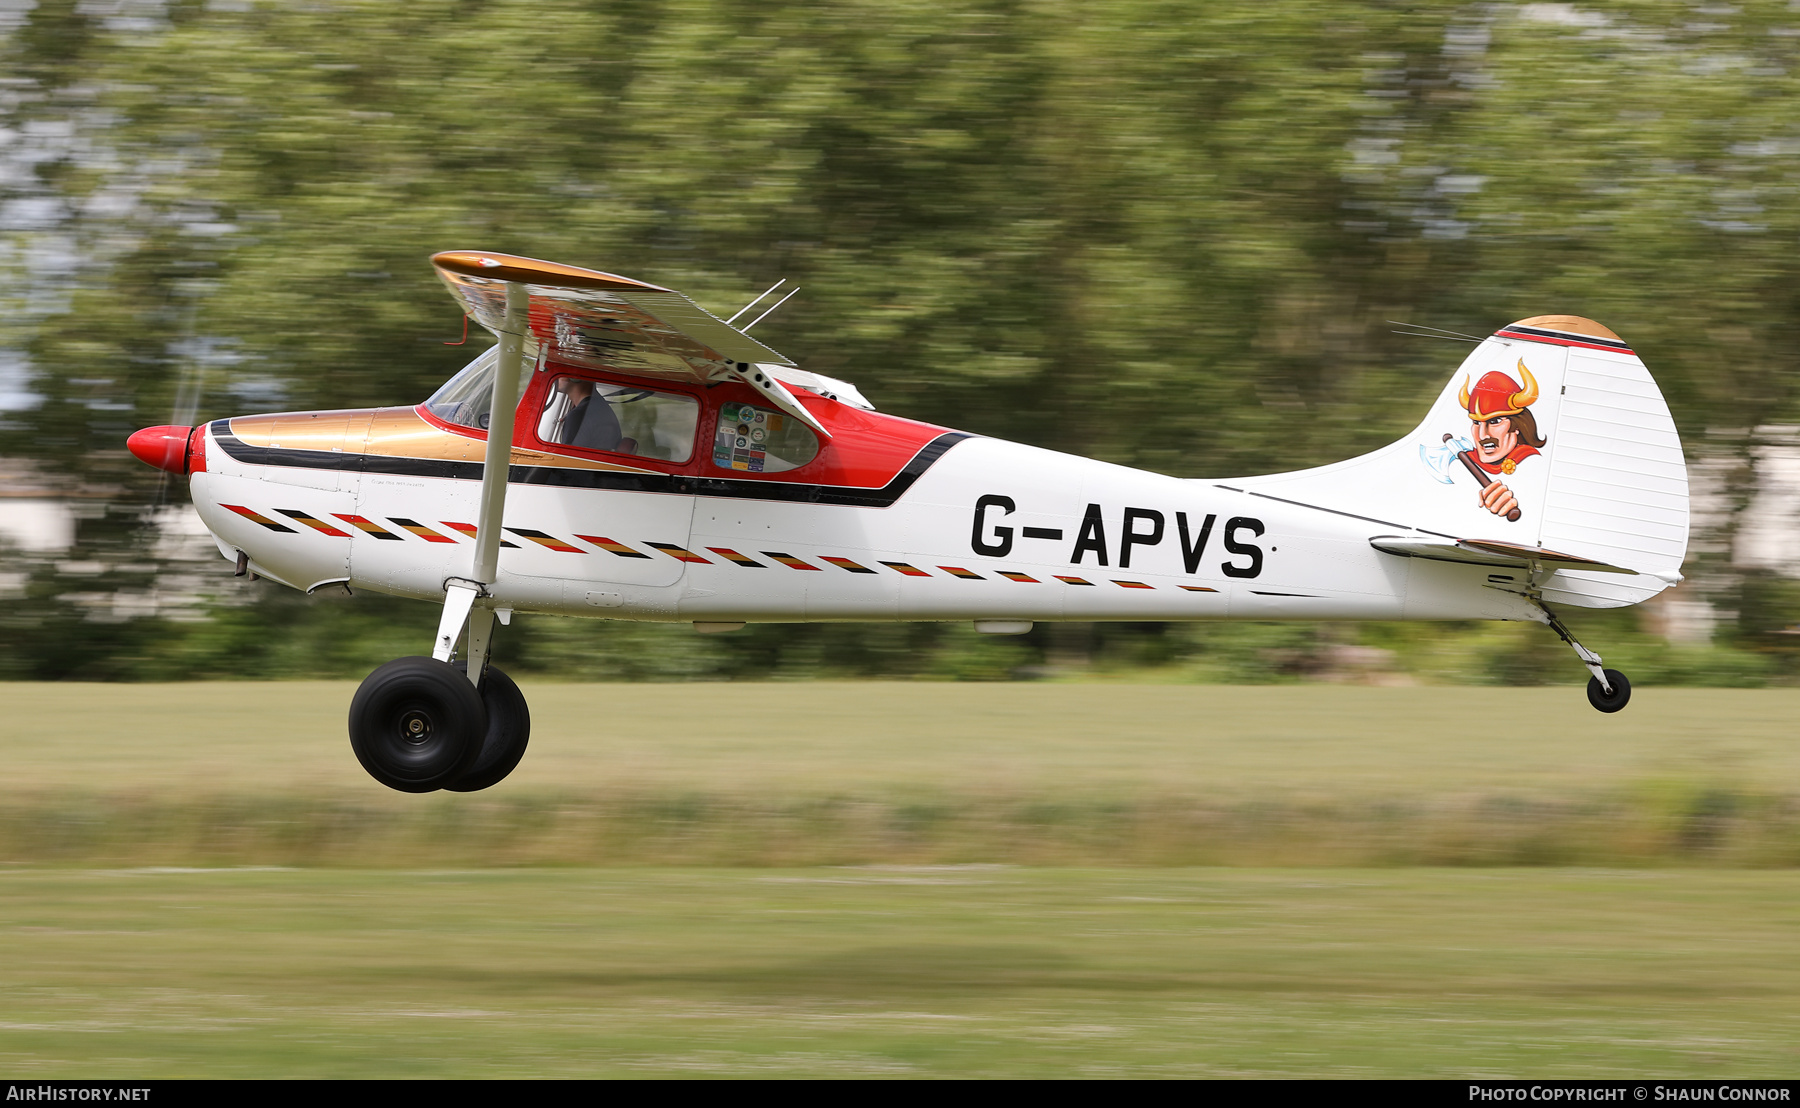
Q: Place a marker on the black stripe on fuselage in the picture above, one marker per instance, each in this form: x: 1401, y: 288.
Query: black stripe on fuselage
x: 676, y: 483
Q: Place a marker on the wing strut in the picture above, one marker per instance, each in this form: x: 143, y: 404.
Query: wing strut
x: 460, y: 593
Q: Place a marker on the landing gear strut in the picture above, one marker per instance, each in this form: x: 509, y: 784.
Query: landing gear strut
x: 1607, y: 689
x: 421, y: 724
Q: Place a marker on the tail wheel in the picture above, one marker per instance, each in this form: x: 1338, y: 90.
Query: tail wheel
x: 417, y: 724
x: 508, y: 730
x: 1613, y: 701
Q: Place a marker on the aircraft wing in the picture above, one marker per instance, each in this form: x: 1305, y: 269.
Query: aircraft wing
x: 601, y: 320
x: 606, y: 322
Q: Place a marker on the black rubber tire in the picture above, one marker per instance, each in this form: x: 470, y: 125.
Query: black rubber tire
x: 508, y: 730
x: 417, y: 724
x: 1621, y: 694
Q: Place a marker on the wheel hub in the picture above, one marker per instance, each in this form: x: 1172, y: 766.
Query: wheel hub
x: 415, y: 727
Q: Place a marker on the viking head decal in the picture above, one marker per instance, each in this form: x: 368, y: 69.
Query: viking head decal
x: 1503, y: 433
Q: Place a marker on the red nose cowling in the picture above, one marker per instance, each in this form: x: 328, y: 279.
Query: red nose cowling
x: 162, y: 447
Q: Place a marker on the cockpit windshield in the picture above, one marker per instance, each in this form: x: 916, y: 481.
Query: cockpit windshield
x: 465, y: 398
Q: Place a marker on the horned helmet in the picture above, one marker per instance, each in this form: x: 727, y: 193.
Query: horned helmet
x: 1496, y: 394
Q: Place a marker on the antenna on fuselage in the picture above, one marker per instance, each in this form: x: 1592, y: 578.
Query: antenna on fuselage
x: 758, y: 300
x: 746, y: 327
x: 1424, y: 332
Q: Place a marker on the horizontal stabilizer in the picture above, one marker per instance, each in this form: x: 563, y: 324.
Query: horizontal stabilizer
x: 1487, y: 552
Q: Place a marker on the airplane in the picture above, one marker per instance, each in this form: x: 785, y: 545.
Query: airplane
x: 621, y: 453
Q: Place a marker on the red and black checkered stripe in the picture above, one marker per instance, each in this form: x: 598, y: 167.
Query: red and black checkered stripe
x: 680, y: 553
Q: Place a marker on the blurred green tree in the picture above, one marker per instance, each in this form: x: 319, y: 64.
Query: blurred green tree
x: 1163, y: 233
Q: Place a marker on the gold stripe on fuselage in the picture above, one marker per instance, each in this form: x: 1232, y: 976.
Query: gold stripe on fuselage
x: 393, y: 433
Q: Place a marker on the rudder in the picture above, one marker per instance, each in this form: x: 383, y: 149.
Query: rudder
x: 1617, y: 488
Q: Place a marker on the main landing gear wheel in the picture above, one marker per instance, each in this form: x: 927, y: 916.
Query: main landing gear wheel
x: 1613, y: 701
x: 508, y: 730
x: 417, y: 724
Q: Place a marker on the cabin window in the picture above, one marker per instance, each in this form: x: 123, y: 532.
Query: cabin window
x: 761, y: 440
x: 622, y: 419
x: 465, y: 398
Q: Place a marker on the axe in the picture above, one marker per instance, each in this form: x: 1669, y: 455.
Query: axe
x: 1467, y: 457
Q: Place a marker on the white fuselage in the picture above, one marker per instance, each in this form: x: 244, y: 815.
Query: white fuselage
x: 989, y: 530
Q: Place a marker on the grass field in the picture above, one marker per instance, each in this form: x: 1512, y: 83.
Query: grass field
x: 917, y: 773
x: 899, y: 971
x: 148, y: 926
x: 1319, y: 739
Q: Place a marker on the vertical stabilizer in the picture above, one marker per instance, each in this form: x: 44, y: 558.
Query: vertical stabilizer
x: 1552, y: 435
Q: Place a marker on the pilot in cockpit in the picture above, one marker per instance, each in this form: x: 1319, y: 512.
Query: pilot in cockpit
x: 590, y: 422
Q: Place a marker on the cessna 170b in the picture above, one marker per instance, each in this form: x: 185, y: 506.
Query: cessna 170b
x: 623, y: 454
